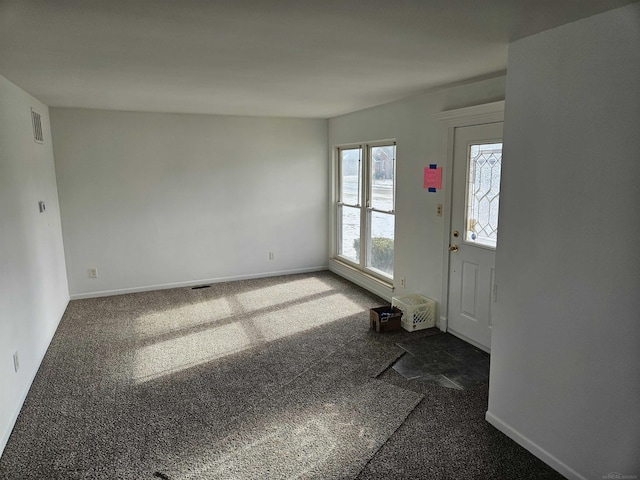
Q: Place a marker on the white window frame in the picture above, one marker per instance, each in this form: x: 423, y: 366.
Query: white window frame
x: 366, y: 210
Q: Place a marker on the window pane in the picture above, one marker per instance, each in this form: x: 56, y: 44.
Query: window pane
x: 382, y: 173
x: 483, y: 194
x: 349, y: 245
x: 350, y: 176
x: 380, y: 248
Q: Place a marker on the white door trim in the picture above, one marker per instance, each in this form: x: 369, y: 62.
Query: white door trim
x: 452, y: 119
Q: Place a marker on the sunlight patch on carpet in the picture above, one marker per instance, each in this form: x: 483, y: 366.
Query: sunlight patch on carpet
x: 179, y: 353
x: 308, y: 315
x: 191, y: 349
x: 281, y: 293
x: 179, y: 318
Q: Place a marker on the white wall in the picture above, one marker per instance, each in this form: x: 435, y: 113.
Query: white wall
x: 565, y: 366
x: 156, y: 200
x: 33, y: 283
x: 421, y: 140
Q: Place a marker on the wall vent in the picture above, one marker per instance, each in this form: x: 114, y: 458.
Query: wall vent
x: 36, y: 120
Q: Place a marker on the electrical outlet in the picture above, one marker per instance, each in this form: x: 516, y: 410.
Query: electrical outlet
x: 403, y: 284
x: 16, y: 361
x: 93, y: 272
x: 439, y: 210
x: 272, y: 256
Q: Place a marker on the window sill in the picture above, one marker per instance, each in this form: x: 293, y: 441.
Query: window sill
x: 369, y: 282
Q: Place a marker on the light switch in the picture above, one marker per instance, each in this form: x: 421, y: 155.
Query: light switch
x: 42, y: 206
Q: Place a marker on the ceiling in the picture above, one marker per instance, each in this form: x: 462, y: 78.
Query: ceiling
x: 293, y: 58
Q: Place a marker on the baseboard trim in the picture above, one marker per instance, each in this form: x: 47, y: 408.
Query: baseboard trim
x: 14, y: 417
x: 192, y: 283
x: 533, y: 447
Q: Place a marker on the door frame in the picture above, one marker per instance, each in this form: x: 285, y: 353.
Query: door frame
x: 462, y: 117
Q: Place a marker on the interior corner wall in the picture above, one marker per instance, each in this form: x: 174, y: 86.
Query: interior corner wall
x: 565, y: 363
x: 161, y: 200
x: 421, y: 140
x: 33, y: 282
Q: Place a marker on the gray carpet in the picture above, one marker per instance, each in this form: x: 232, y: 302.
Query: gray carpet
x: 269, y: 378
x: 447, y: 437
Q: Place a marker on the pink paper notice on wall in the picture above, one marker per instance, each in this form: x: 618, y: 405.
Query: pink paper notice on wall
x: 433, y: 178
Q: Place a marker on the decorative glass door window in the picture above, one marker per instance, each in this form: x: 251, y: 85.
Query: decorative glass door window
x: 367, y: 172
x: 483, y: 194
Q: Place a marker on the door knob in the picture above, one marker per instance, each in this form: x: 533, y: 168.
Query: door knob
x: 453, y: 248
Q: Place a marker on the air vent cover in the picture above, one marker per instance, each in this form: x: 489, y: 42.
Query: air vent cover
x: 36, y: 120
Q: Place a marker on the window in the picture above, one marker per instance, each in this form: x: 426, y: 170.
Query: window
x: 366, y: 207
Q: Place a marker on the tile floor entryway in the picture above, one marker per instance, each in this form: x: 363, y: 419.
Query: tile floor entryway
x: 444, y: 360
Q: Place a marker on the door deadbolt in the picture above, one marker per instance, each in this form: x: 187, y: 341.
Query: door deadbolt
x: 456, y: 233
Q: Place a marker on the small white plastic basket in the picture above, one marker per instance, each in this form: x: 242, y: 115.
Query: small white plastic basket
x: 418, y: 311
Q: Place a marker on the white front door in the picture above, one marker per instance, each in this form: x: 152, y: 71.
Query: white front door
x: 477, y: 160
